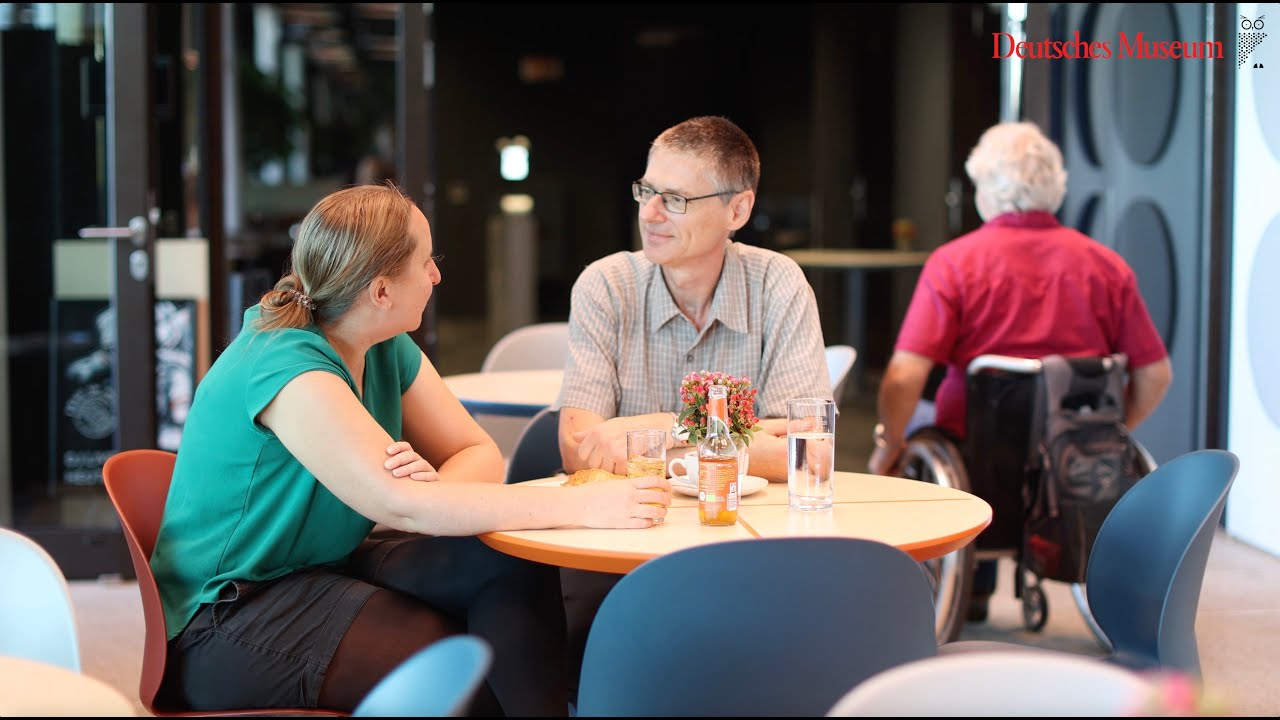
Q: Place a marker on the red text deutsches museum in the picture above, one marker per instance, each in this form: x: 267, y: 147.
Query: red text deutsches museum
x: 1005, y: 46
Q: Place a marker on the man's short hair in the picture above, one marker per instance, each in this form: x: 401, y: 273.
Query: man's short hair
x: 735, y: 164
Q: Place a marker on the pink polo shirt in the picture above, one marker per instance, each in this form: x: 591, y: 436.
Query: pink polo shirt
x: 1023, y: 285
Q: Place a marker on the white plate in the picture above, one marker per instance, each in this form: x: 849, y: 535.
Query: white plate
x: 750, y: 484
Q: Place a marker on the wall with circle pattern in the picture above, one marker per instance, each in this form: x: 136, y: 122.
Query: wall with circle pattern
x: 1133, y: 136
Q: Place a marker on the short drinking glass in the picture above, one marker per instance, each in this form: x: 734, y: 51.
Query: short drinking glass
x: 647, y: 454
x: 811, y: 453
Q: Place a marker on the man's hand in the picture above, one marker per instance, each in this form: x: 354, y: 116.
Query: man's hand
x: 589, y: 441
x: 605, y: 445
x: 776, y: 427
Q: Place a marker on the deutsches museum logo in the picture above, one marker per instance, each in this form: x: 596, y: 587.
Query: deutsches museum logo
x: 1124, y: 46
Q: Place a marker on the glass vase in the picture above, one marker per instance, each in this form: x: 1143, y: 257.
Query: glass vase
x: 744, y: 457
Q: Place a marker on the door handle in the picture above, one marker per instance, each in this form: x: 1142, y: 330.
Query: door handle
x: 139, y: 261
x: 136, y: 231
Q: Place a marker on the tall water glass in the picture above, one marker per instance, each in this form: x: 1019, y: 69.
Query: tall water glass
x: 811, y: 453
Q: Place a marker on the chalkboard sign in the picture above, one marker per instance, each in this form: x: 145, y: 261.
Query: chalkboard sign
x: 83, y: 396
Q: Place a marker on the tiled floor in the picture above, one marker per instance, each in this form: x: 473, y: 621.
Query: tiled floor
x: 1237, y: 625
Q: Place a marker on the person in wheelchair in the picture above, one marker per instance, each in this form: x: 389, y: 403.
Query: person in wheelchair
x: 1021, y: 285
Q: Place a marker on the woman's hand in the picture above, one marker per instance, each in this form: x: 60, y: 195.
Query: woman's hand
x: 406, y: 462
x: 627, y: 503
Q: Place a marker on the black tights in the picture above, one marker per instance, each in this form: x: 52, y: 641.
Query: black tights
x: 513, y: 604
x: 323, y: 637
x: 389, y: 628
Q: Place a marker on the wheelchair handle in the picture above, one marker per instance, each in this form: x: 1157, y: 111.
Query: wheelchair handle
x: 1023, y: 366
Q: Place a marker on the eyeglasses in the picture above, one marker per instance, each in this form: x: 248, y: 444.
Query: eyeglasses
x: 672, y: 202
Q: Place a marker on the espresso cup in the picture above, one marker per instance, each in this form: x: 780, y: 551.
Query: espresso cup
x: 688, y: 467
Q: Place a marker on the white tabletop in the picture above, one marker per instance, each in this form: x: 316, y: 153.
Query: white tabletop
x: 920, y: 518
x: 519, y: 393
x: 857, y: 259
x: 35, y: 689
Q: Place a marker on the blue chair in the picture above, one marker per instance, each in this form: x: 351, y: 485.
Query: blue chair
x: 37, y: 619
x: 776, y: 626
x: 1148, y: 560
x: 438, y: 681
x: 537, y: 451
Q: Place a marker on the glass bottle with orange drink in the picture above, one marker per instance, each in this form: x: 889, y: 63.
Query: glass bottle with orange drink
x: 717, y: 464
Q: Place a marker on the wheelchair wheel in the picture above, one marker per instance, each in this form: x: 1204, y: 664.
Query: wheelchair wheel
x: 931, y: 457
x: 1035, y: 607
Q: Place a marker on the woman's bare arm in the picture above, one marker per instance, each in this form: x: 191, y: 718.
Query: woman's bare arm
x: 438, y: 427
x: 321, y: 422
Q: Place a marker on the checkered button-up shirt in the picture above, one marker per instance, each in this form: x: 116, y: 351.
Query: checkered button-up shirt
x: 630, y: 346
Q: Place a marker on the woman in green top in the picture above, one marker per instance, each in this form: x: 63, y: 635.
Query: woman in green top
x: 321, y: 419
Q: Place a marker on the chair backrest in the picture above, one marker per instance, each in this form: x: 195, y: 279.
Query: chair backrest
x: 542, y: 346
x: 438, y: 681
x: 37, y: 619
x: 1008, y: 683
x: 840, y: 359
x: 137, y: 482
x: 1148, y: 560
x: 537, y: 451
x: 771, y: 626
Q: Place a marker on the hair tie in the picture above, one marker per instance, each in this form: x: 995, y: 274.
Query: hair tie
x: 303, y: 299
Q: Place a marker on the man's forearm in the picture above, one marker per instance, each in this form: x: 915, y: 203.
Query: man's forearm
x: 603, y: 443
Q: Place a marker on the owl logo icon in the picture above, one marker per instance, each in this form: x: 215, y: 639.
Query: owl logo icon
x: 1250, y: 38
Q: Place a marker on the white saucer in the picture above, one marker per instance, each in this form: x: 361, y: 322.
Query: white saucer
x: 750, y: 484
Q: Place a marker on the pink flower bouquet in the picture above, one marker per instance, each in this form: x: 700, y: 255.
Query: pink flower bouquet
x: 742, y: 401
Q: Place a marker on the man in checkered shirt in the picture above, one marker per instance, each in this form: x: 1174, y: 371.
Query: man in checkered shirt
x: 691, y: 300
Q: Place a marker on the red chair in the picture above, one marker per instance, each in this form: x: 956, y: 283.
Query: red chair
x: 138, y: 483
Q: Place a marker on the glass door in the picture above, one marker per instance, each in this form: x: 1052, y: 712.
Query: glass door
x: 147, y: 196
x: 80, y: 87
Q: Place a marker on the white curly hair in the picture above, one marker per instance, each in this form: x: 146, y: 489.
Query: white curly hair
x: 1015, y: 168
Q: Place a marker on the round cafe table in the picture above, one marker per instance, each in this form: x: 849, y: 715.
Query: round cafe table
x: 513, y: 393
x: 34, y: 689
x: 922, y: 519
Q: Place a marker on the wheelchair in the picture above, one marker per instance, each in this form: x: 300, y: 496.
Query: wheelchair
x: 995, y: 463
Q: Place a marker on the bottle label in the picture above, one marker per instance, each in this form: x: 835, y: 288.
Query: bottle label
x: 717, y: 487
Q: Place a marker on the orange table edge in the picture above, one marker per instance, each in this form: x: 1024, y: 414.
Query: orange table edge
x: 622, y: 562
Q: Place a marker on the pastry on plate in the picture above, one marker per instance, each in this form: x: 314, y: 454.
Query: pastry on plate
x: 589, y: 475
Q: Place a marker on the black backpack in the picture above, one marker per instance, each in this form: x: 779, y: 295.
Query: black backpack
x: 1083, y: 461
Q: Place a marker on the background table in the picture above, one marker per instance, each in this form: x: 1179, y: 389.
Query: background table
x: 35, y: 689
x: 513, y: 393
x: 922, y: 519
x: 855, y: 263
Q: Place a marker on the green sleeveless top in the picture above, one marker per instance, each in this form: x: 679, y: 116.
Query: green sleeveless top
x: 240, y: 506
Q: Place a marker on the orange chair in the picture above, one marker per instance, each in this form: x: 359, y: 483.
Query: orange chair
x: 138, y: 483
